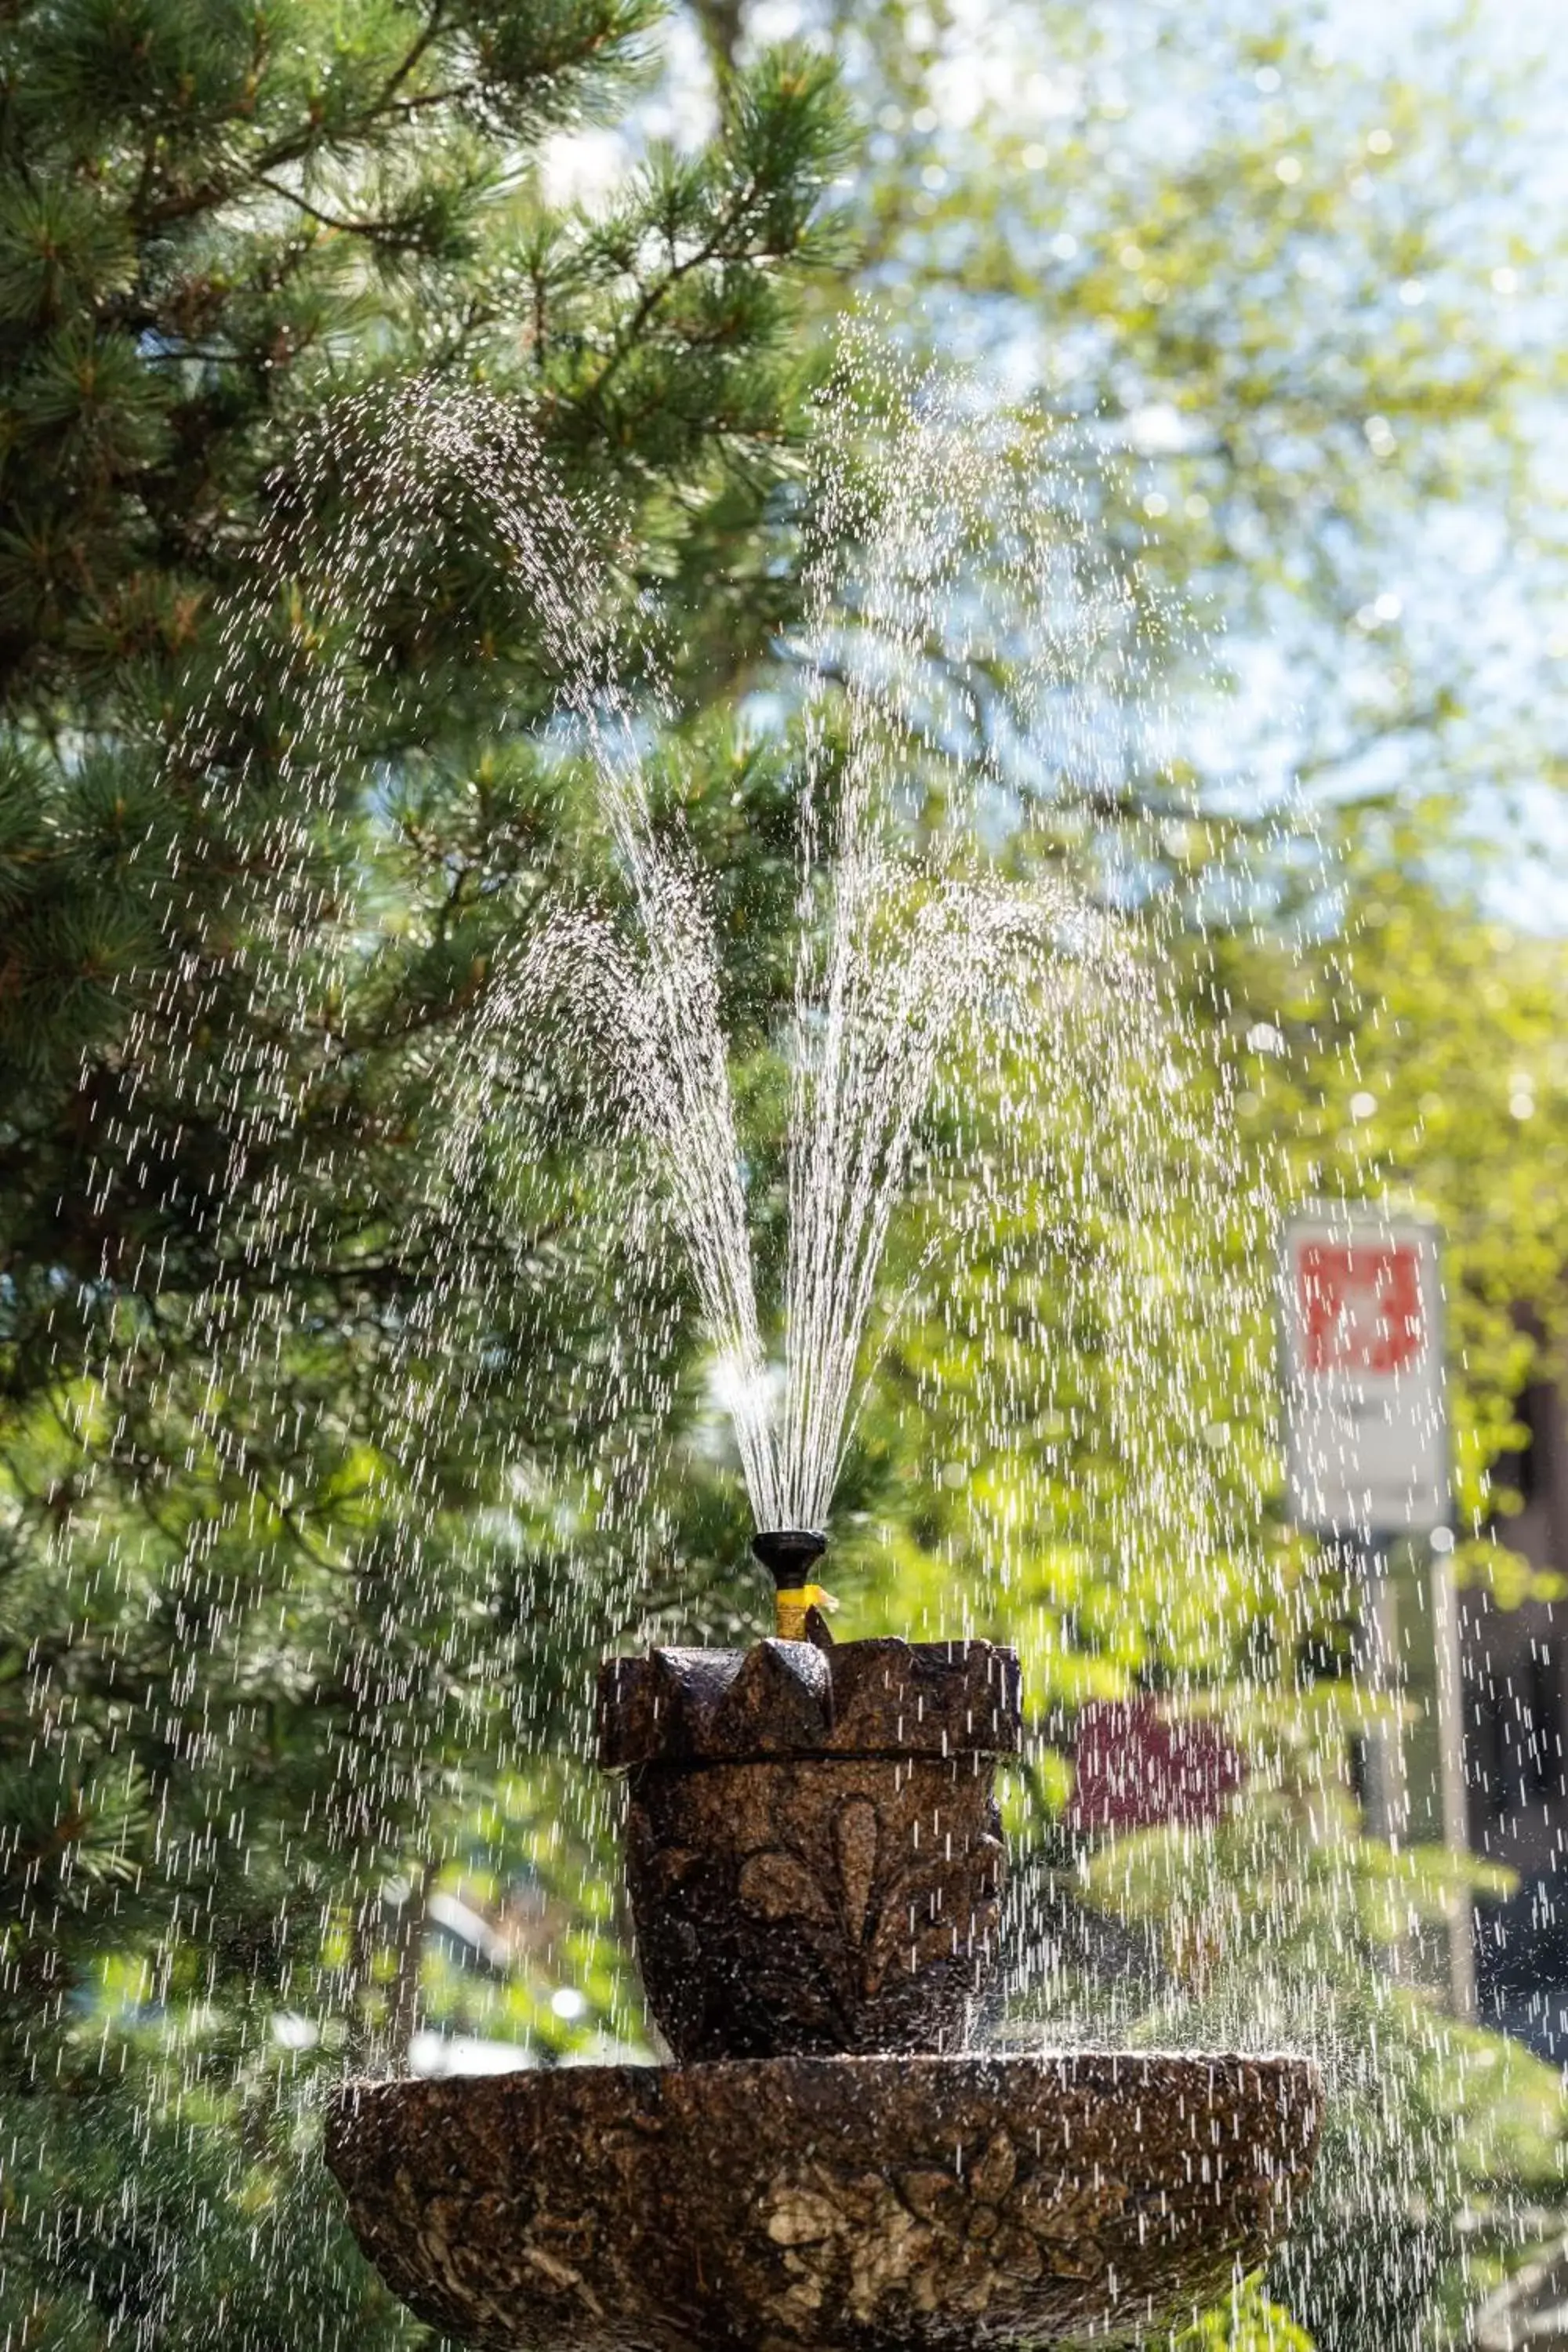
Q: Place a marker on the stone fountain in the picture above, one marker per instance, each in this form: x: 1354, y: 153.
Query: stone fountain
x: 814, y: 1864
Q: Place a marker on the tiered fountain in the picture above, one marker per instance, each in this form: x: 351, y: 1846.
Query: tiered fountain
x: 816, y: 1864
x: 814, y: 1851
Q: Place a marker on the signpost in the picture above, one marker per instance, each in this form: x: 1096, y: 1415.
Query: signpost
x: 1366, y: 1447
x: 1366, y: 1436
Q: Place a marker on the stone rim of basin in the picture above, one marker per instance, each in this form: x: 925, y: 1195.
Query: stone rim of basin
x: 902, y: 2202
x: 875, y: 1697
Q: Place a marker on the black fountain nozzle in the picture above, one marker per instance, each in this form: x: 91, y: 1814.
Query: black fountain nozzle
x: 789, y: 1554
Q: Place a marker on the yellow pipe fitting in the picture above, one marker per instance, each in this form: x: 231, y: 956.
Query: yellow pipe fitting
x: 793, y: 1605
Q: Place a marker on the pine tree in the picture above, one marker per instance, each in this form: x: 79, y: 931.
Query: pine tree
x: 261, y: 1645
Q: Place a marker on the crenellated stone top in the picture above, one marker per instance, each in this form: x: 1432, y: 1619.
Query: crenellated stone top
x: 789, y: 1698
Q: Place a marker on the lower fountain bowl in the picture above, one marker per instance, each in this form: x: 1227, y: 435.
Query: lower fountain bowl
x: 876, y: 2204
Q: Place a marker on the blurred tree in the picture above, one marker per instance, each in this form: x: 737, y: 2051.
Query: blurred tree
x: 1301, y: 290
x: 1297, y: 290
x: 1304, y: 281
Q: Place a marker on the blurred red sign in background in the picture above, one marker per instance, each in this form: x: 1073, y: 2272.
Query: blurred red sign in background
x: 1367, y: 1444
x: 1360, y: 1305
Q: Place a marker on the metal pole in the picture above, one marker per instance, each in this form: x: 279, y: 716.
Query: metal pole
x: 1377, y: 1674
x: 1445, y: 1644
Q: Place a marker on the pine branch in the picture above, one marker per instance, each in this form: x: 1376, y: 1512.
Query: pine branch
x: 387, y: 109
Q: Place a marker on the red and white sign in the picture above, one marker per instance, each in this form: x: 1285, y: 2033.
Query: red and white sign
x: 1365, y: 1431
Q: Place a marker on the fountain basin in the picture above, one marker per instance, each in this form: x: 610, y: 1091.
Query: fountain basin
x: 876, y: 2204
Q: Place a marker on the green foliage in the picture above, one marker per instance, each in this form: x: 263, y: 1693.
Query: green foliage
x: 1253, y: 251
x: 1249, y: 2323
x: 1284, y: 1926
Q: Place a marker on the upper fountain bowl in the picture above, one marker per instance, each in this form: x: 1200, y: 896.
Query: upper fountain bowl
x: 813, y: 1851
x: 891, y: 2204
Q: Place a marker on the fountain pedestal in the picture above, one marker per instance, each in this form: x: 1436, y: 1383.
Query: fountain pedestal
x: 815, y: 1868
